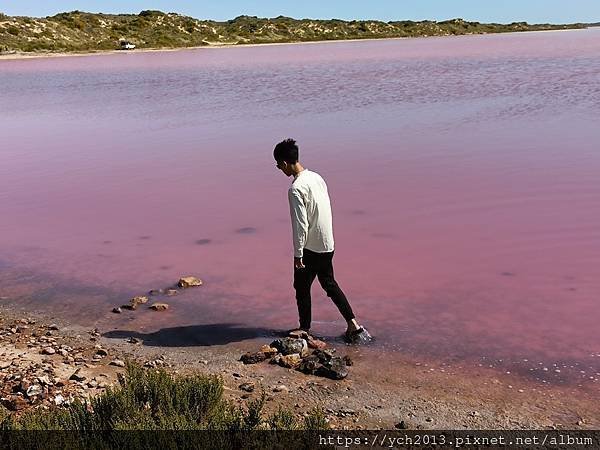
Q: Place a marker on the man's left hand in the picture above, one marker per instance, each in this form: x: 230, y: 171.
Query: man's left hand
x: 298, y: 264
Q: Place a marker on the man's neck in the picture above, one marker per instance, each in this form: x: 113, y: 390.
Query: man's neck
x: 296, y: 169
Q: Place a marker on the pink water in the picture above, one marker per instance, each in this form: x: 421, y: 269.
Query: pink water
x: 463, y: 172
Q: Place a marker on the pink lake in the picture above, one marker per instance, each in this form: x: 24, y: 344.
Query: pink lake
x: 463, y: 172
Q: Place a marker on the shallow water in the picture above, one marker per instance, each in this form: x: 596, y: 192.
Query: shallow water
x: 463, y: 174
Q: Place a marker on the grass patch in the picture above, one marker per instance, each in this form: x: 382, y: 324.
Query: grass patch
x: 153, y: 399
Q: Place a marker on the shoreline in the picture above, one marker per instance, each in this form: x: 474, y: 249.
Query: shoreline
x: 36, y: 55
x: 423, y: 395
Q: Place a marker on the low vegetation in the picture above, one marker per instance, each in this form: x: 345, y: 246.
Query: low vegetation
x: 78, y: 31
x: 150, y: 399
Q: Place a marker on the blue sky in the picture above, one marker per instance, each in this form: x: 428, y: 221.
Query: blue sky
x: 533, y: 11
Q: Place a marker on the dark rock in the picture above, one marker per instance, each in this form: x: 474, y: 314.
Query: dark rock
x: 288, y: 345
x: 310, y: 365
x: 402, y: 425
x: 253, y: 358
x: 156, y: 292
x: 102, y: 352
x: 248, y: 387
x: 116, y: 310
x: 348, y: 361
x: 15, y: 403
x: 53, y: 327
x: 133, y: 340
x: 334, y: 369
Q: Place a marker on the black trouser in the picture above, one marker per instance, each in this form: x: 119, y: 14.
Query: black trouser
x: 321, y: 266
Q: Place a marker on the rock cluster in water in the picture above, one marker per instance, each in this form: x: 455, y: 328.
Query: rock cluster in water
x: 183, y: 283
x: 302, y: 352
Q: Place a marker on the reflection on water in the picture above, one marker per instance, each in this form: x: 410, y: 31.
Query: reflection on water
x: 462, y: 171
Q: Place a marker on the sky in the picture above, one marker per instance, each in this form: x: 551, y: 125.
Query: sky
x: 503, y: 11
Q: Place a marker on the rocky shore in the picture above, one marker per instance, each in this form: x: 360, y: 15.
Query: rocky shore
x: 43, y: 365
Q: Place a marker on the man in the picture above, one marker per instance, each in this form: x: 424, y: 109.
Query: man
x: 312, y: 232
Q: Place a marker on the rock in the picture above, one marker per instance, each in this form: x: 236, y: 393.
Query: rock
x: 117, y: 362
x: 102, y: 352
x: 253, y: 358
x: 288, y: 345
x: 59, y: 400
x: 316, y: 343
x: 129, y: 307
x: 138, y: 300
x: 171, y: 292
x: 402, y: 425
x: 77, y: 376
x: 186, y: 282
x: 237, y: 375
x: 334, y: 369
x: 34, y: 390
x: 156, y: 292
x: 116, y: 310
x: 159, y: 307
x: 310, y: 365
x: 298, y: 334
x: 248, y: 387
x: 203, y: 361
x: 348, y: 361
x: 268, y: 350
x: 48, y: 351
x: 133, y: 340
x: 281, y: 388
x: 53, y: 327
x: 45, y: 380
x: 5, y: 364
x: 290, y: 361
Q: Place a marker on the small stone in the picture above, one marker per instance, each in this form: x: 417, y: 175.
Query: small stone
x: 102, y: 352
x: 248, y: 387
x: 253, y: 358
x: 138, y: 300
x: 203, y: 361
x: 133, y: 340
x: 34, y: 390
x: 402, y: 425
x: 281, y: 388
x: 48, y: 351
x: 347, y: 360
x: 298, y: 334
x: 159, y: 307
x: 156, y: 292
x: 53, y: 327
x: 59, y: 400
x: 186, y: 282
x: 171, y: 292
x: 117, y: 362
x: 116, y: 310
x: 237, y: 375
x: 5, y: 365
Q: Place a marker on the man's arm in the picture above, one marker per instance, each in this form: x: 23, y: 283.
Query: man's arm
x: 299, y: 221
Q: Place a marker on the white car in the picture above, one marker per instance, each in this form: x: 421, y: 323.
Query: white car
x: 125, y: 45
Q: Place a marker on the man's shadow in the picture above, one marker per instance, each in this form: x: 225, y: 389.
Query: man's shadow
x: 195, y: 335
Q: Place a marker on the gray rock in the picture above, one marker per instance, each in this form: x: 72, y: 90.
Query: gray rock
x: 288, y: 346
x: 248, y: 387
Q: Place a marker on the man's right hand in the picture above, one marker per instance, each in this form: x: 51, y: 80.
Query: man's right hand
x: 298, y: 264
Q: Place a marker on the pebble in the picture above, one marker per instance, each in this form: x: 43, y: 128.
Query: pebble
x: 117, y: 310
x: 117, y: 362
x: 48, y: 351
x: 77, y: 376
x: 159, y: 307
x: 281, y: 388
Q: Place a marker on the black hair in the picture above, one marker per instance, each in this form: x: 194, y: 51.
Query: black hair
x: 286, y: 150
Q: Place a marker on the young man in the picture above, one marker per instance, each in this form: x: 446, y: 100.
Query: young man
x: 312, y: 229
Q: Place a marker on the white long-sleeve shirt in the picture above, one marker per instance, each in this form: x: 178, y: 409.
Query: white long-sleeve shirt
x: 310, y: 208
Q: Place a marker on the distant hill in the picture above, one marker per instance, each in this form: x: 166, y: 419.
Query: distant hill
x: 78, y: 31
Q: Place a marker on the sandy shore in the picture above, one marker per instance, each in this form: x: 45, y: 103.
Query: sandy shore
x: 422, y: 395
x: 29, y: 55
